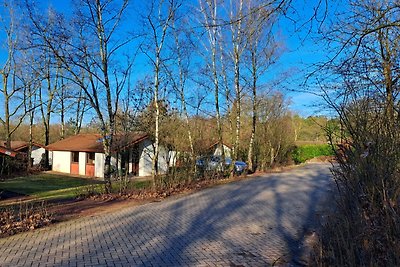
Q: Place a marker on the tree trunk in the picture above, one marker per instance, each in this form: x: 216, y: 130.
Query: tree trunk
x: 238, y: 108
x: 272, y: 156
x: 254, y: 110
x: 62, y: 112
x: 107, y: 163
x: 250, y: 156
x: 157, y: 118
x: 210, y: 18
x: 30, y: 145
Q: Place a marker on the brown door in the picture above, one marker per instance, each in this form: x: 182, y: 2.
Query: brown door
x: 90, y: 170
x: 74, y: 168
x: 90, y: 164
x: 74, y: 162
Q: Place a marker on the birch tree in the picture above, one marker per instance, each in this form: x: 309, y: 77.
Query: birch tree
x: 157, y: 23
x: 238, y: 46
x: 182, y: 49
x: 260, y: 53
x: 211, y: 24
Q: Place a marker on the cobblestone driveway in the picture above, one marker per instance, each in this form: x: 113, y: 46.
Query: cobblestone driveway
x: 253, y: 222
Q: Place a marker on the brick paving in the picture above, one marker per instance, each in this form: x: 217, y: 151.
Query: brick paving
x: 254, y: 222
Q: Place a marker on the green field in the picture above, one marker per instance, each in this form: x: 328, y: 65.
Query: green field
x: 45, y: 185
x: 302, y: 153
x: 57, y: 187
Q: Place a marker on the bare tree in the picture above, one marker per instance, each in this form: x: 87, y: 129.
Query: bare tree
x: 11, y: 90
x: 31, y: 85
x: 238, y: 46
x: 360, y: 83
x: 210, y: 22
x: 158, y: 22
x: 365, y: 43
x: 182, y: 50
x: 86, y: 51
x: 46, y: 96
x: 261, y: 51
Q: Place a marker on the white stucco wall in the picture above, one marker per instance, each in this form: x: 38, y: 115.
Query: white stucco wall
x: 37, y: 154
x: 62, y: 161
x: 227, y: 151
x: 99, y: 165
x: 82, y: 163
x: 146, y: 157
x: 163, y: 160
x: 145, y: 161
x: 116, y: 165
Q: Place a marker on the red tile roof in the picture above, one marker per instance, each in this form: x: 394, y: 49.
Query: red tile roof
x: 94, y: 142
x: 8, y: 152
x: 18, y: 145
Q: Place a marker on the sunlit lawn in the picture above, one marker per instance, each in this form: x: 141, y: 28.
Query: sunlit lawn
x: 53, y: 186
x: 46, y: 185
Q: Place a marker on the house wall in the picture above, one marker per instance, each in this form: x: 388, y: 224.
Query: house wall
x: 146, y: 156
x: 99, y: 165
x: 145, y: 161
x: 82, y: 163
x: 62, y: 161
x: 227, y: 151
x: 172, y: 158
x: 37, y: 154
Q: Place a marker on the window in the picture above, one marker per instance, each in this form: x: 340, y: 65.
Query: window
x: 75, y: 157
x: 90, y: 158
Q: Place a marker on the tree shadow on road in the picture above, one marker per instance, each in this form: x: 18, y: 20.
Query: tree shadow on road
x: 252, y: 222
x: 255, y: 221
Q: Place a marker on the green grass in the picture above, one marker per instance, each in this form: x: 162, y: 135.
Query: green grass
x: 44, y: 186
x: 305, y: 152
x: 57, y: 187
x: 136, y: 184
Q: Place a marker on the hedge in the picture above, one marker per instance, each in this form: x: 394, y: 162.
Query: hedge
x: 302, y: 153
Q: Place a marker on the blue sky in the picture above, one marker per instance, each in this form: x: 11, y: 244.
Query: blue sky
x: 301, y: 52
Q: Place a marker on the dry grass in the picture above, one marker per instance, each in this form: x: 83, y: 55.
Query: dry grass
x: 365, y: 228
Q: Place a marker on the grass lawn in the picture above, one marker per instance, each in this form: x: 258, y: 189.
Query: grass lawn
x: 46, y: 185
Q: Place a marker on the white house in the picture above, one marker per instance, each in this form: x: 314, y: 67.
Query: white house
x: 83, y: 154
x: 215, y: 149
x: 22, y: 146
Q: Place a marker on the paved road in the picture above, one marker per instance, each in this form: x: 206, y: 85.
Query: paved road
x: 254, y: 222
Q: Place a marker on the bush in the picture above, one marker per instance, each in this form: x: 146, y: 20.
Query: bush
x: 23, y: 217
x: 83, y: 192
x: 10, y: 167
x: 302, y: 153
x: 365, y: 228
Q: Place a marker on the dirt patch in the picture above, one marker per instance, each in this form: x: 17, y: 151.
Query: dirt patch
x: 324, y: 159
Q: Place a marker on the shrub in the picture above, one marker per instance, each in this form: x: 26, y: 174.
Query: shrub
x: 302, y: 153
x: 83, y: 192
x: 23, y: 217
x: 365, y: 228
